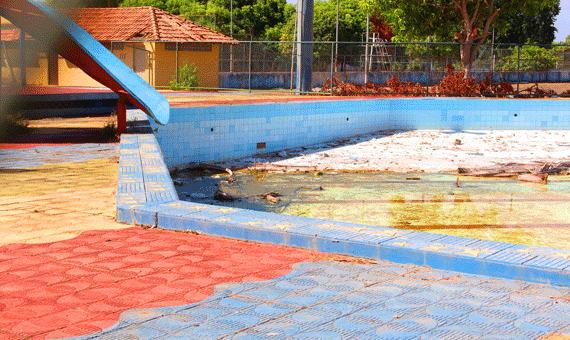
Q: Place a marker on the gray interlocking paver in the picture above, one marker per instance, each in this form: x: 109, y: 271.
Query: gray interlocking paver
x: 330, y: 300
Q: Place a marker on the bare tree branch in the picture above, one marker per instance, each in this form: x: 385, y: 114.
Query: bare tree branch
x: 477, y: 13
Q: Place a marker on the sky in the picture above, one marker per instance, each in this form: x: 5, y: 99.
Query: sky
x: 562, y: 20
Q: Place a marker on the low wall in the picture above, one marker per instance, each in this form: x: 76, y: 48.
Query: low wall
x: 200, y: 134
x: 270, y: 80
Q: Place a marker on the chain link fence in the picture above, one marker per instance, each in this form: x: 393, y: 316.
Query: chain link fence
x: 376, y: 67
x: 401, y: 68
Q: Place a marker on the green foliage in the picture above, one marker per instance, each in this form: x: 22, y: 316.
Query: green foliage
x: 352, y: 21
x: 467, y: 21
x: 109, y: 132
x: 532, y: 58
x: 257, y: 18
x: 13, y: 125
x: 187, y: 78
x: 534, y: 28
x: 136, y: 3
x: 418, y: 19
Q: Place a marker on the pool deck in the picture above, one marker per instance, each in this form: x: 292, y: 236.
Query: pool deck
x: 69, y: 269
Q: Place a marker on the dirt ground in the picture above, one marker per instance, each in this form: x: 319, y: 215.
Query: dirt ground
x: 420, y: 151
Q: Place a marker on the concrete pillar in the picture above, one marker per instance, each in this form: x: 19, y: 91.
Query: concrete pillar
x: 305, y: 50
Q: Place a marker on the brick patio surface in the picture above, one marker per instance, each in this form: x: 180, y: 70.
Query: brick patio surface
x: 68, y: 269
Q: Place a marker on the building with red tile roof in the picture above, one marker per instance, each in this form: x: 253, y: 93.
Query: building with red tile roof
x: 141, y: 24
x: 154, y: 43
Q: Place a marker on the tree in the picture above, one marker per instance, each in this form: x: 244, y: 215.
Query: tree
x: 256, y: 18
x: 136, y: 3
x: 531, y: 29
x: 470, y: 22
x: 352, y: 21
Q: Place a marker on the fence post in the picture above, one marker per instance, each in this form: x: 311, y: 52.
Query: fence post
x: 366, y: 46
x: 249, y: 72
x: 428, y: 67
x: 176, y: 62
x: 518, y: 69
x: 332, y: 66
x: 1, y: 64
x: 23, y: 64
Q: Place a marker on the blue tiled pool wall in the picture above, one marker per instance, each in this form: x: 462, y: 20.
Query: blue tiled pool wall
x: 146, y: 196
x: 200, y: 134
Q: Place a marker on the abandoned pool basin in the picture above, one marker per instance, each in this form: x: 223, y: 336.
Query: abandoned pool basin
x: 146, y: 194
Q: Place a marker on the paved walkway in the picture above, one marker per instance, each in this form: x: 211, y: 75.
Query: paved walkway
x: 68, y: 269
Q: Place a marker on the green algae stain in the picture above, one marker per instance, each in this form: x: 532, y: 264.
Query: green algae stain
x: 500, y: 210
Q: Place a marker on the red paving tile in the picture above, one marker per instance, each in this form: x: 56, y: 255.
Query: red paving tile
x: 79, y: 286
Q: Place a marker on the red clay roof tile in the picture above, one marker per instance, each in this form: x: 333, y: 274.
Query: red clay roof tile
x: 142, y: 24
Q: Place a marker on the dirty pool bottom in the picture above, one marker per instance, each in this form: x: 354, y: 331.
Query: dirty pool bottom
x: 483, y: 208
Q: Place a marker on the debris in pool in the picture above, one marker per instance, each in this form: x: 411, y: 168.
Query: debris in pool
x: 198, y: 195
x: 412, y: 178
x: 283, y: 154
x: 534, y: 178
x: 177, y: 182
x: 224, y: 197
x: 271, y: 197
x: 457, y: 142
x: 231, y: 178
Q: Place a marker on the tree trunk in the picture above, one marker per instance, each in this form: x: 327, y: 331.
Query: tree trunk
x: 468, y: 51
x: 465, y: 52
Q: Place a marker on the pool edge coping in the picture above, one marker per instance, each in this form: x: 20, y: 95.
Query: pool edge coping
x: 146, y: 196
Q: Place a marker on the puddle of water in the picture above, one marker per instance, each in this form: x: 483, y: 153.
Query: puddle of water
x: 501, y: 210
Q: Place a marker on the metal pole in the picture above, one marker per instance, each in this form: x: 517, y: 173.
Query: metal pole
x: 293, y: 48
x: 249, y: 65
x: 299, y: 43
x: 332, y: 65
x: 177, y: 62
x: 518, y: 70
x: 366, y: 52
x: 22, y: 57
x: 336, y: 41
x: 1, y: 65
x: 231, y: 35
x: 428, y: 67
